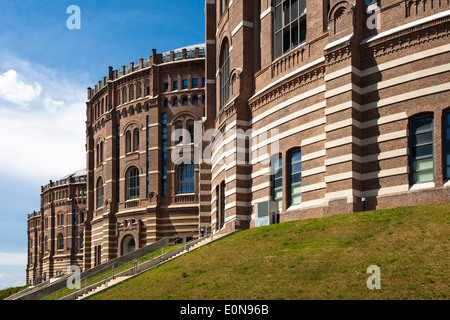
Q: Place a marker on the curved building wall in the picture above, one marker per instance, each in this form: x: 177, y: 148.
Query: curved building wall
x: 137, y: 186
x: 56, y: 233
x: 340, y: 110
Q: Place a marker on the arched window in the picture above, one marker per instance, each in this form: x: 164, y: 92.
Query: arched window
x: 101, y: 153
x: 131, y: 92
x: 136, y: 139
x: 124, y: 94
x: 117, y: 97
x: 277, y: 179
x: 225, y: 72
x: 138, y: 90
x: 185, y: 174
x: 60, y: 242
x: 147, y: 87
x: 289, y: 25
x: 132, y: 183
x: 422, y: 149
x: 185, y: 101
x: 99, y: 193
x: 128, y: 141
x: 295, y: 177
x: 179, y: 131
x: 166, y: 103
x: 190, y: 129
x: 174, y: 102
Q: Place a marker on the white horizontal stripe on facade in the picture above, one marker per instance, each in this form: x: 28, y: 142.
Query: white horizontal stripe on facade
x: 406, y: 26
x: 369, y: 158
x: 406, y: 78
x: 313, y: 171
x: 286, y: 119
x: 289, y: 102
x: 285, y: 134
x: 406, y: 96
x: 366, y: 176
x: 314, y: 187
x: 299, y: 70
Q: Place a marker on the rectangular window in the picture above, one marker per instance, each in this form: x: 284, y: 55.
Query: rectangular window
x: 195, y: 83
x: 422, y: 154
x: 185, y: 84
x: 164, y: 154
x: 277, y: 180
x: 166, y: 87
x: 175, y: 85
x: 447, y: 145
x: 289, y: 25
x: 295, y: 177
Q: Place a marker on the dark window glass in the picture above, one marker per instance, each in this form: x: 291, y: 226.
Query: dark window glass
x: 422, y: 154
x: 185, y: 178
x: 289, y: 25
x: 277, y: 179
x: 295, y: 177
x: 132, y: 183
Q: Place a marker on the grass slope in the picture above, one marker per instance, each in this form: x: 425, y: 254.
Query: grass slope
x: 324, y: 258
x: 5, y: 293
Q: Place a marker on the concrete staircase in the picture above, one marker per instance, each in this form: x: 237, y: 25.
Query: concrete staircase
x: 145, y: 266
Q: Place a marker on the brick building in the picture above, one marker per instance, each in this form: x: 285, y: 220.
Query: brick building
x: 354, y: 93
x: 309, y: 108
x: 56, y: 232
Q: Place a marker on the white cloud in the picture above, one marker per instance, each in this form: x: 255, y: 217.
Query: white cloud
x: 16, y: 91
x: 46, y: 140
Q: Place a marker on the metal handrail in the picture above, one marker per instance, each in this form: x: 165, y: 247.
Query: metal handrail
x: 135, y: 262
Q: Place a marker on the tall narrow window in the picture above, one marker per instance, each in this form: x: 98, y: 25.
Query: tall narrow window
x: 147, y: 87
x: 295, y: 177
x: 289, y: 25
x: 60, y: 242
x: 190, y: 129
x: 277, y: 179
x: 81, y: 240
x: 101, y: 152
x: 179, y: 131
x: 131, y: 92
x: 132, y: 183
x: 447, y: 145
x: 174, y: 85
x: 124, y: 94
x: 217, y: 207
x: 185, y: 178
x: 164, y: 154
x: 225, y: 72
x: 138, y: 90
x: 99, y: 193
x: 128, y: 141
x: 136, y: 139
x: 222, y: 203
x: 422, y: 154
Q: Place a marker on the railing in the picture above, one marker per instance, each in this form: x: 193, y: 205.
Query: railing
x: 135, y: 266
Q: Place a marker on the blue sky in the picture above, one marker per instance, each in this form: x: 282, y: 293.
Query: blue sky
x: 45, y: 69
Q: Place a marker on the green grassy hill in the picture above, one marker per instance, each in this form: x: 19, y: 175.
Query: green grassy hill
x: 324, y: 258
